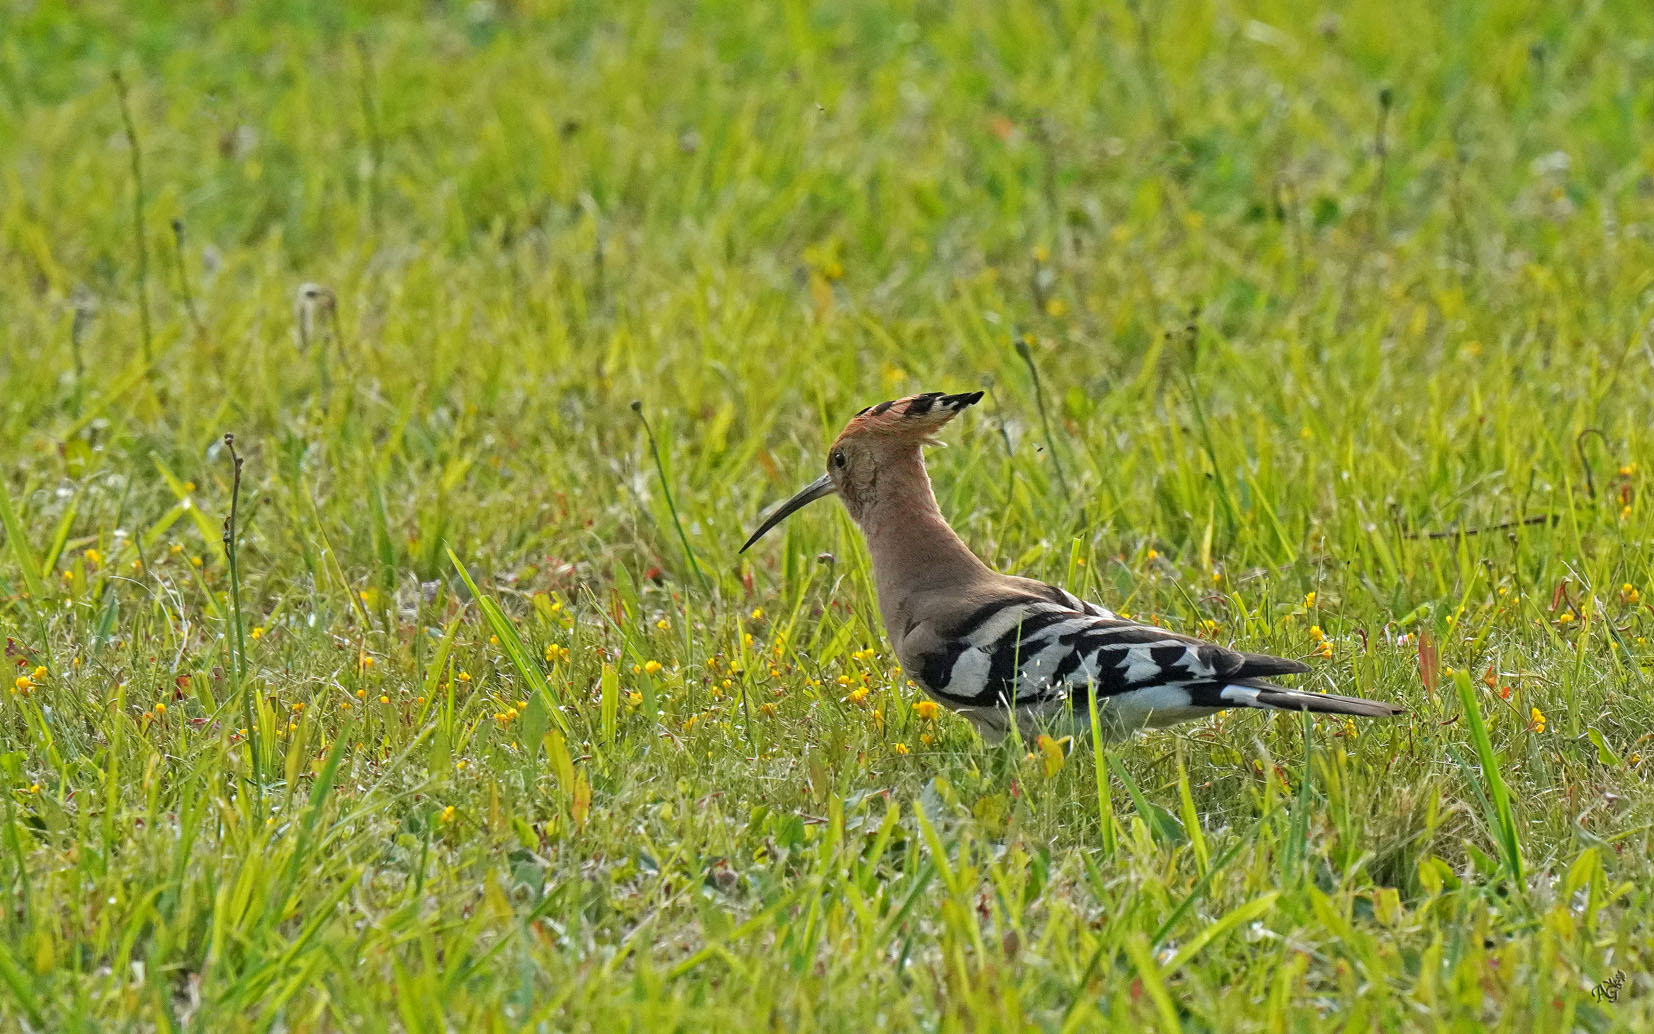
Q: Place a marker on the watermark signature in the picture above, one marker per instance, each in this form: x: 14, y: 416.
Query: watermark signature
x: 1609, y: 990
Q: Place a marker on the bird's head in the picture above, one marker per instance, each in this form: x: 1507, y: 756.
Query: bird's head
x: 869, y: 445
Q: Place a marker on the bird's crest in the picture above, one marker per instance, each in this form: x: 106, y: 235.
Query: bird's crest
x: 916, y: 416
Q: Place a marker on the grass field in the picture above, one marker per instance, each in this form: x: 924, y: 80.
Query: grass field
x: 1341, y: 323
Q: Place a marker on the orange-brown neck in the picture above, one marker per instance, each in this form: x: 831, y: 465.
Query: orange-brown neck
x: 911, y: 544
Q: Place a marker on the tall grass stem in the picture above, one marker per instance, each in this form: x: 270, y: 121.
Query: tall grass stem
x: 140, y: 201
x: 671, y: 506
x: 238, y: 641
x: 1027, y: 355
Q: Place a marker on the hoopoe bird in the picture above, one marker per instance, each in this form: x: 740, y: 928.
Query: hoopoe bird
x: 999, y: 648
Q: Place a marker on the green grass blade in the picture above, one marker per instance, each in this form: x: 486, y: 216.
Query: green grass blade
x: 1105, y: 798
x: 1160, y: 821
x: 1505, y: 828
x: 1212, y: 931
x: 22, y: 555
x: 210, y: 531
x: 1198, y: 891
x: 521, y: 660
x: 12, y: 975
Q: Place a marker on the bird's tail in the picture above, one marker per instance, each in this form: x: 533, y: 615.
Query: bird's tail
x: 1257, y: 693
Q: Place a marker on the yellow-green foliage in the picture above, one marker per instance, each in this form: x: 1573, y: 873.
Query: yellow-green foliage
x: 1341, y: 320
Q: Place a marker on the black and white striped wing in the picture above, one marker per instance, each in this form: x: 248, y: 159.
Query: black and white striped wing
x: 1022, y: 652
x: 1080, y: 606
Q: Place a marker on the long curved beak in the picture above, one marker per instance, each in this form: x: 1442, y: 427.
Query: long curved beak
x: 821, y: 486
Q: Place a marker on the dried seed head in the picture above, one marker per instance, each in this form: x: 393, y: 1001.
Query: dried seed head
x: 312, y: 302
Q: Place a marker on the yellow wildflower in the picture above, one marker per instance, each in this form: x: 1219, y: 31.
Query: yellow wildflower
x: 927, y: 710
x: 1538, y: 717
x: 1051, y: 754
x: 900, y: 748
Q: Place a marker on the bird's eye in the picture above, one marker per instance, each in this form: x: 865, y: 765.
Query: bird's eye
x: 839, y: 459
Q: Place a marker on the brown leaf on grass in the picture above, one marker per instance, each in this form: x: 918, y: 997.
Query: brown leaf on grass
x: 1429, y: 664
